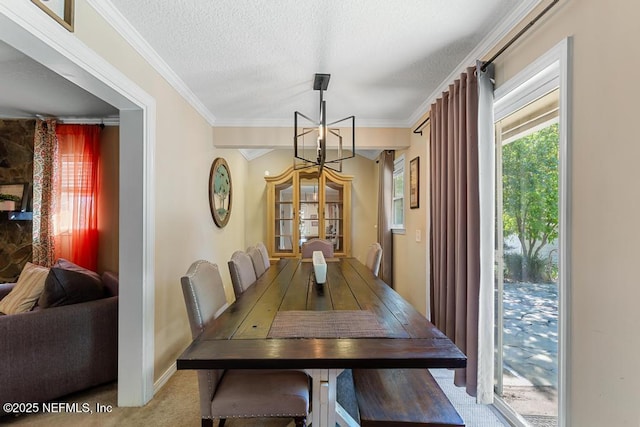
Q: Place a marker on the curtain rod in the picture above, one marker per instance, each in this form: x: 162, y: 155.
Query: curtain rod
x: 418, y: 129
x: 517, y: 36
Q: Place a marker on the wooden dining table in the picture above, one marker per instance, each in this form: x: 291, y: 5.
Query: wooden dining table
x: 354, y: 320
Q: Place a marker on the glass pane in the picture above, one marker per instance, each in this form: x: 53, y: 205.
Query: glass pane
x: 333, y: 214
x: 398, y: 212
x: 309, y: 202
x: 398, y: 185
x: 284, y: 217
x: 527, y: 254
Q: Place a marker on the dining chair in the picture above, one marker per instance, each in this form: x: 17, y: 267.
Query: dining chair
x: 238, y: 393
x: 243, y: 275
x: 374, y: 256
x: 256, y: 260
x: 265, y: 254
x: 317, y: 245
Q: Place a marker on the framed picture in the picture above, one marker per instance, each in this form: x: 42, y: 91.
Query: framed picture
x: 60, y: 10
x: 414, y: 183
x: 14, y: 197
x: 220, y: 192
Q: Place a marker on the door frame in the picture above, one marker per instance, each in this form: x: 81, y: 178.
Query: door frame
x: 26, y: 28
x: 550, y: 71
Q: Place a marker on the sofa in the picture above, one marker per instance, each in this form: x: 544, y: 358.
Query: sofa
x: 47, y: 353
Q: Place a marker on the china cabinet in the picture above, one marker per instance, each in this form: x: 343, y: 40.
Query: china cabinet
x: 303, y: 205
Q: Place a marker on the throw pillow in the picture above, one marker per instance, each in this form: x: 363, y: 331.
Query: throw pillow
x: 68, y: 283
x: 27, y: 290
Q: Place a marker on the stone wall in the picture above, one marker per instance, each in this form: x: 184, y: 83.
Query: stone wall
x: 16, y: 166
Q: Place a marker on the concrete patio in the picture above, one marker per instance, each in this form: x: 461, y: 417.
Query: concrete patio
x: 531, y: 350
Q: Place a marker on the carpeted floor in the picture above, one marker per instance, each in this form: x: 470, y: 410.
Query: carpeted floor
x: 176, y: 405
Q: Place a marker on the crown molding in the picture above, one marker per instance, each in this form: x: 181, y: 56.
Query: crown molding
x: 481, y: 50
x: 112, y: 15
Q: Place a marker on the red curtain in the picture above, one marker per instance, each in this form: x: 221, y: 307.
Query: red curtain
x: 76, y: 190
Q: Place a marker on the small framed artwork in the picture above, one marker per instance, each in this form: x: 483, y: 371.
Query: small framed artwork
x: 14, y: 197
x: 60, y: 10
x: 220, y: 192
x: 414, y: 183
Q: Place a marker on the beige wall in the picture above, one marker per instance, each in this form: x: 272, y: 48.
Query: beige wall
x: 184, y: 152
x: 410, y: 257
x: 282, y: 137
x: 108, y: 199
x: 605, y: 205
x: 363, y: 198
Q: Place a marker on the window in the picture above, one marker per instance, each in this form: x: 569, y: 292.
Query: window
x: 397, y: 215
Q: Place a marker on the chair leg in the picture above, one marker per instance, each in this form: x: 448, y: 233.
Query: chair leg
x: 207, y: 422
x: 300, y: 421
x: 222, y: 421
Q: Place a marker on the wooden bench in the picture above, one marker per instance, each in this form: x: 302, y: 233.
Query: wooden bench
x: 402, y: 397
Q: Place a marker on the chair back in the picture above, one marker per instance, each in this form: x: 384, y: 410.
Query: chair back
x: 256, y: 260
x: 265, y: 254
x: 317, y: 245
x: 242, y: 272
x: 374, y: 256
x: 205, y: 299
x: 203, y: 294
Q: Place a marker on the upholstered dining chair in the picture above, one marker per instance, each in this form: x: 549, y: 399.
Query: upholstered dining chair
x: 237, y: 393
x: 374, y: 256
x: 256, y: 260
x: 265, y: 254
x: 243, y: 275
x: 317, y: 245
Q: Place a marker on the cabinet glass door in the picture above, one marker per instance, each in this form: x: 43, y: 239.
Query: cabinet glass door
x: 284, y: 217
x: 309, y: 221
x: 333, y: 214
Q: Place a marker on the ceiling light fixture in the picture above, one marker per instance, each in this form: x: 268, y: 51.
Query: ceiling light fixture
x: 318, y: 133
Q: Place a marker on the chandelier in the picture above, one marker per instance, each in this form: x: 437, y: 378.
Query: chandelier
x: 318, y: 143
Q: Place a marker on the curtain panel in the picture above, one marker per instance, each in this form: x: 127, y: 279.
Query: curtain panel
x: 455, y: 239
x: 385, y: 194
x: 45, y: 172
x: 76, y: 216
x: 486, y: 188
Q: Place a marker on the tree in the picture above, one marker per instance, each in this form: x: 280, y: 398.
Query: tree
x: 530, y: 192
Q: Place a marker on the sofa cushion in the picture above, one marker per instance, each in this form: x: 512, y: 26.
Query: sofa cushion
x: 68, y: 283
x: 27, y: 290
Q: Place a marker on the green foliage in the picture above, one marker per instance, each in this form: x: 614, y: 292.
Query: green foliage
x: 9, y: 197
x: 519, y: 268
x: 221, y: 188
x: 530, y: 193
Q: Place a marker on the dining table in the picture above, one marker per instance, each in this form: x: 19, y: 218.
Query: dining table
x: 288, y: 321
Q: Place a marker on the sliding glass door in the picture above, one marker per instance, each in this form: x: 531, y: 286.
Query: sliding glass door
x: 527, y: 160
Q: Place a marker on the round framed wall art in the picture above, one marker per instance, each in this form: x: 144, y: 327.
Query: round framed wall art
x: 220, y: 192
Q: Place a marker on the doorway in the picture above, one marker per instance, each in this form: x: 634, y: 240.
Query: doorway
x: 527, y: 261
x: 532, y: 253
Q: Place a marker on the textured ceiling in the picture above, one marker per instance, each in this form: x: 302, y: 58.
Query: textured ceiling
x: 252, y: 62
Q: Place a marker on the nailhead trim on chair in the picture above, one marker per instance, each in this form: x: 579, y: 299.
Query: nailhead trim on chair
x: 261, y: 415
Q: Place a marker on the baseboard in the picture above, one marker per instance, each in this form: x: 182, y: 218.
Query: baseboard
x: 164, y: 378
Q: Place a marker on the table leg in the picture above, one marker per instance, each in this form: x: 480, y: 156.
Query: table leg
x: 326, y: 411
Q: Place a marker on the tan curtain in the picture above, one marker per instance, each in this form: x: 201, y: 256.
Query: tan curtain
x: 455, y: 258
x: 385, y: 237
x: 44, y: 172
